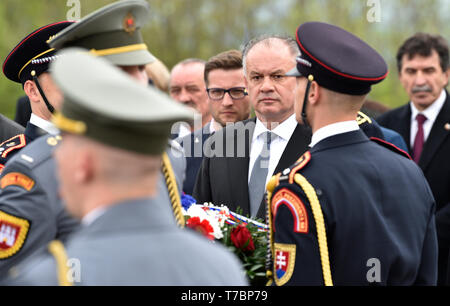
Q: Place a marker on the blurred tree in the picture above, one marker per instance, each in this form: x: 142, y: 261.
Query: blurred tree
x: 179, y: 29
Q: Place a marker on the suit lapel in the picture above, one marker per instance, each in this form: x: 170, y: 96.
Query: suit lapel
x: 404, y: 125
x: 297, y: 145
x: 437, y: 135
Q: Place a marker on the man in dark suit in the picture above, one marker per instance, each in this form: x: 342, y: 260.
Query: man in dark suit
x: 242, y: 157
x: 228, y: 103
x: 423, y: 64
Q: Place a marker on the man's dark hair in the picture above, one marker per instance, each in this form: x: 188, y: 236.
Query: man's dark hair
x: 228, y: 60
x: 423, y: 44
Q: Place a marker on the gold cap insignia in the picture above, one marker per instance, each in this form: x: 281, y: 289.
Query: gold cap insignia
x: 129, y: 24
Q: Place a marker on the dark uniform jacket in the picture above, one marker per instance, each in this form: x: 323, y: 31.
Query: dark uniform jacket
x: 378, y: 212
x: 224, y: 180
x: 435, y: 163
x: 9, y: 128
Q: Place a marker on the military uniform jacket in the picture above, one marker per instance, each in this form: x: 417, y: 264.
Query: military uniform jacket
x: 378, y: 224
x: 137, y: 243
x: 31, y: 211
x: 9, y: 128
x: 11, y: 146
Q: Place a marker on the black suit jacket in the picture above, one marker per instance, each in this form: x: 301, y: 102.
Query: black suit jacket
x: 435, y: 164
x: 224, y: 180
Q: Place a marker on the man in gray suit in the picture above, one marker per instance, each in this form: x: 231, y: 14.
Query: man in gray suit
x: 9, y: 128
x: 29, y: 201
x: 108, y: 180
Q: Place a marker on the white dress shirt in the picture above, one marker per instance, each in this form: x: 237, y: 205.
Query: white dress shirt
x: 431, y: 112
x: 283, y: 133
x: 333, y: 129
x: 44, y: 124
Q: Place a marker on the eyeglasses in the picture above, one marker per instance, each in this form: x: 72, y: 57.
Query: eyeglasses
x: 235, y: 93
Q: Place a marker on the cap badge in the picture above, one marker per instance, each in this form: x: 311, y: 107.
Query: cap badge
x: 129, y: 24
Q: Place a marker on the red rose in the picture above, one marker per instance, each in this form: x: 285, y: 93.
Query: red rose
x: 242, y: 238
x: 203, y: 227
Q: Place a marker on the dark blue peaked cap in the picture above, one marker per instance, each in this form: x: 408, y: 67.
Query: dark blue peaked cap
x: 32, y: 53
x: 337, y: 59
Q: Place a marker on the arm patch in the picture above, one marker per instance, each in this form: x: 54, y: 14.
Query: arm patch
x: 17, y: 179
x: 13, y: 233
x: 286, y: 197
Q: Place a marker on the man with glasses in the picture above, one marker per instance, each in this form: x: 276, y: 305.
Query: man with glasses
x: 228, y: 102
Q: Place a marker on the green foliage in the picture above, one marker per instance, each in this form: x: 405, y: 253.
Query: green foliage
x: 179, y: 29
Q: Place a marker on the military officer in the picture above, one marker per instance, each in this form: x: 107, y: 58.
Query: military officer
x: 27, y: 64
x: 350, y: 211
x: 120, y: 210
x: 29, y: 200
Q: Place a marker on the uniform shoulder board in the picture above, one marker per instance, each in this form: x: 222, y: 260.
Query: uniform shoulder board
x: 15, y: 143
x: 363, y: 118
x: 390, y: 146
x: 289, y: 173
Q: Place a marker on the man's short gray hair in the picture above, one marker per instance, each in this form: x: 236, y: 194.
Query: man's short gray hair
x: 268, y: 39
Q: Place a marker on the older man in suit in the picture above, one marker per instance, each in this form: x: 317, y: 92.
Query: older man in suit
x: 242, y: 157
x: 424, y: 123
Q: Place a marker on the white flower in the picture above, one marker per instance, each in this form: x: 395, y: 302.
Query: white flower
x: 209, y: 215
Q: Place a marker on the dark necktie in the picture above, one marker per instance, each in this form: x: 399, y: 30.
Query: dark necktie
x: 257, y: 183
x: 419, y: 140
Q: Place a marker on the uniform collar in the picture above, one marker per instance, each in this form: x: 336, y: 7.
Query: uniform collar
x: 333, y: 129
x: 44, y: 124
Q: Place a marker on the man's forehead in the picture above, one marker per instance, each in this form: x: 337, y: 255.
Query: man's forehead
x: 418, y: 59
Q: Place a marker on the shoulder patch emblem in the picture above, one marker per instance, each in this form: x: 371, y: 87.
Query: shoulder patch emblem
x: 14, y: 143
x: 17, y: 179
x: 301, y: 162
x: 284, y: 262
x: 295, y: 205
x: 13, y: 233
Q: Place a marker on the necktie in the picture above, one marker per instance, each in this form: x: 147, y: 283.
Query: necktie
x: 257, y: 183
x: 419, y: 140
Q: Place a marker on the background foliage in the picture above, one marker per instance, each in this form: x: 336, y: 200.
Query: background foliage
x: 202, y: 28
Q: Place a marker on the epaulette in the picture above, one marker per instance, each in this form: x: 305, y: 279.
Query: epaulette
x: 35, y: 153
x: 363, y: 118
x: 287, y: 175
x: 390, y: 146
x: 15, y: 143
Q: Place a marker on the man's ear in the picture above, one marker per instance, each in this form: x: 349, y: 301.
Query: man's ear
x: 31, y: 91
x: 84, y: 166
x: 314, y: 92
